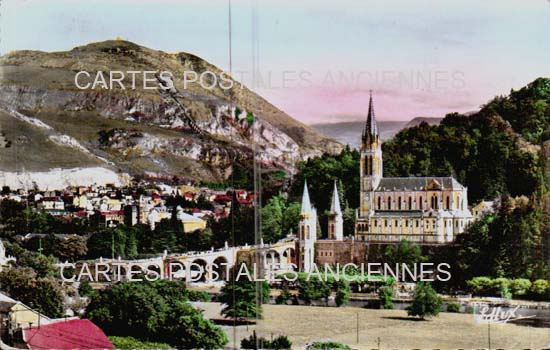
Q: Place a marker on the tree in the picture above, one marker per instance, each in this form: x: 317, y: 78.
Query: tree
x: 186, y: 328
x: 313, y: 289
x: 71, y: 248
x: 385, y: 295
x: 42, y: 265
x: 321, y: 172
x: 239, y: 294
x: 426, y: 302
x: 154, y: 311
x: 342, y: 292
x: 404, y: 253
x: 40, y: 293
x: 116, y: 241
x: 279, y: 218
x: 86, y: 290
x: 291, y: 218
x: 272, y: 219
x: 507, y: 244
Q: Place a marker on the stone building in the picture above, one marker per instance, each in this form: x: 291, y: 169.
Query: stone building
x: 423, y: 210
x: 307, y: 233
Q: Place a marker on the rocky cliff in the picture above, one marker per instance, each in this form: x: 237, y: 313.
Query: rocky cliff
x: 190, y: 131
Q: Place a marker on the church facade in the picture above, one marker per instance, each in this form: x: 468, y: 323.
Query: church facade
x: 423, y: 210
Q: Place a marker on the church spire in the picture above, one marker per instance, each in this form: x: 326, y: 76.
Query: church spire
x: 335, y: 219
x: 370, y: 133
x: 306, y: 203
x: 335, y: 203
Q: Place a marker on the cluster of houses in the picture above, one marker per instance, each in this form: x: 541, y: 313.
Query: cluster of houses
x: 149, y: 204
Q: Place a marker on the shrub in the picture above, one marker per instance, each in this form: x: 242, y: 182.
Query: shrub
x: 426, y: 302
x: 329, y: 345
x: 283, y: 297
x: 281, y: 342
x: 453, y: 307
x: 195, y: 295
x: 520, y: 286
x: 85, y: 290
x: 342, y: 292
x: 385, y: 293
x: 500, y: 287
x: 255, y: 343
x: 479, y: 285
x: 314, y: 289
x: 540, y: 290
x: 131, y: 343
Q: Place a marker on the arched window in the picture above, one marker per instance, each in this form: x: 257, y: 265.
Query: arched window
x: 307, y: 232
x: 434, y: 202
x: 389, y: 203
x: 420, y: 203
x: 379, y: 204
x: 410, y: 203
x: 399, y: 203
x: 448, y: 203
x: 371, y: 165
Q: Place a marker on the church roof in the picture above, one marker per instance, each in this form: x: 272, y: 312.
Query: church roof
x: 371, y: 128
x: 306, y: 203
x: 418, y: 183
x: 335, y: 203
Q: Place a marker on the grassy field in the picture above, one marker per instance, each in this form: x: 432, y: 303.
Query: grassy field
x: 303, y: 324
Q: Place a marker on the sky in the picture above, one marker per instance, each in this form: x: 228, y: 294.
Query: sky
x: 318, y: 60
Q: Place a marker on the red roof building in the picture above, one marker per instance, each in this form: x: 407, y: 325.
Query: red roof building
x: 64, y: 335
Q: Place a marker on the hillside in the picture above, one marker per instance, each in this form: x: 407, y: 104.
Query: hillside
x: 418, y: 120
x: 494, y: 151
x: 139, y: 131
x: 349, y: 133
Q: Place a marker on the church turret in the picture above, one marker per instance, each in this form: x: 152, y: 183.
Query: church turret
x: 371, y: 160
x: 335, y: 219
x: 308, y: 232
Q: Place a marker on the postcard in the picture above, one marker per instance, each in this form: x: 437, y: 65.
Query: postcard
x: 246, y: 174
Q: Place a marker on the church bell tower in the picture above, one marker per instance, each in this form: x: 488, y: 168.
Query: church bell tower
x: 308, y: 232
x: 370, y: 169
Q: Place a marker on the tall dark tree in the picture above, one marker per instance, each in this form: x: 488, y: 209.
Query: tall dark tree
x: 242, y: 295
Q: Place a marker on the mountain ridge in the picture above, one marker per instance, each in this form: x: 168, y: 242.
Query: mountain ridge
x: 150, y: 133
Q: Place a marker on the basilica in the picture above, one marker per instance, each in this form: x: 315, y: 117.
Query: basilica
x: 423, y: 210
